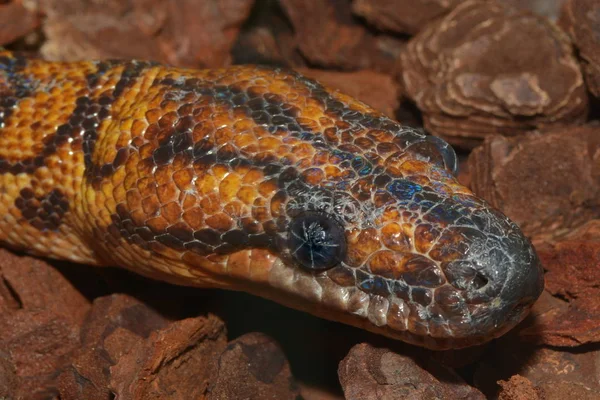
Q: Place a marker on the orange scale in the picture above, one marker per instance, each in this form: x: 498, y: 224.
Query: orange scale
x: 277, y: 204
x: 380, y: 136
x: 220, y: 221
x: 267, y: 188
x: 126, y: 124
x: 283, y: 150
x: 424, y: 237
x: 194, y: 217
x: 163, y: 175
x: 321, y: 158
x: 333, y: 172
x: 221, y: 118
x: 313, y: 176
x: 204, y: 114
x: 415, y: 167
x: 331, y: 135
x: 243, y: 140
x: 146, y: 186
x: 205, y: 183
x: 219, y: 171
x: 261, y: 213
x: 187, y: 200
x: 167, y: 192
x: 304, y: 163
x: 252, y: 176
x: 224, y: 136
x: 309, y: 123
x: 250, y: 149
x: 238, y: 113
x: 421, y: 271
x: 211, y: 203
x: 394, y: 237
x: 278, y: 87
x: 171, y: 212
x: 180, y: 161
x: 150, y: 205
x: 325, y: 121
x: 157, y: 224
x: 119, y: 192
x: 419, y: 179
x: 389, y: 264
x: 259, y: 89
x: 138, y: 216
x: 235, y: 209
x: 303, y: 150
x: 368, y: 240
x: 247, y: 194
x: 269, y: 143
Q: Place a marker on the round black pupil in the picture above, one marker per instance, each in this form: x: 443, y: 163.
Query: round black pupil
x: 315, y: 241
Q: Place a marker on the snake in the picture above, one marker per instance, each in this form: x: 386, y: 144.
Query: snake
x: 256, y: 179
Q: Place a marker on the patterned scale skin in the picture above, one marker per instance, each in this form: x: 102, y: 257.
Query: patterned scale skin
x: 261, y: 180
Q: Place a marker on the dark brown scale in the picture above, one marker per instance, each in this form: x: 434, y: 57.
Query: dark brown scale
x: 91, y: 113
x: 45, y: 212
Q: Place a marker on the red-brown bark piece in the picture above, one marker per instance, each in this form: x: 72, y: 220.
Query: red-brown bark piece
x: 269, y: 39
x: 114, y: 316
x: 182, y: 33
x: 40, y: 313
x: 543, y: 367
x: 31, y: 284
x: 8, y: 377
x: 561, y: 390
x: 177, y: 362
x: 402, y: 16
x: 547, y: 183
x: 378, y: 90
x: 40, y: 344
x: 487, y: 68
x: 328, y: 36
x: 253, y: 367
x: 581, y: 19
x: 573, y: 275
x: 16, y: 21
x: 370, y: 373
x: 518, y: 388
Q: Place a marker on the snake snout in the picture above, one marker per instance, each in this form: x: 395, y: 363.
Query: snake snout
x: 497, y: 277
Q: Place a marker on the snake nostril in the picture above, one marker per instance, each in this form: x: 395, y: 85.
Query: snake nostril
x: 464, y: 276
x: 479, y: 281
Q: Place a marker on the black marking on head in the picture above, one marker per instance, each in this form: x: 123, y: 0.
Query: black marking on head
x: 181, y: 237
x: 269, y: 110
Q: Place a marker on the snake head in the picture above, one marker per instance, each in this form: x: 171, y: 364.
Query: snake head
x: 403, y: 249
x: 261, y: 180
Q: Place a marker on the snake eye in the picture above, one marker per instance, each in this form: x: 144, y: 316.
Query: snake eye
x: 316, y: 241
x: 438, y: 151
